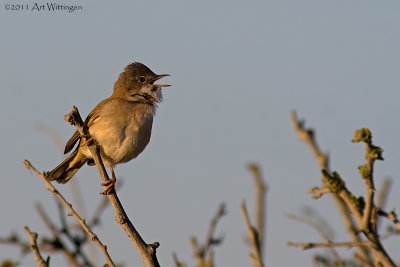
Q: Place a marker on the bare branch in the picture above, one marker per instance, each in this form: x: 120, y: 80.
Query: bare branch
x: 260, y: 189
x: 53, y: 229
x: 211, y: 240
x: 203, y: 254
x: 318, y: 192
x: 198, y: 252
x: 177, y: 262
x: 33, y: 246
x: 13, y: 239
x: 82, y: 222
x: 321, y: 233
x: 255, y: 255
x: 307, y: 135
x: 328, y: 244
x: 392, y: 216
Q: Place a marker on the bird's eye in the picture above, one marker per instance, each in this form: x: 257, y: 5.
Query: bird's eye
x: 142, y: 79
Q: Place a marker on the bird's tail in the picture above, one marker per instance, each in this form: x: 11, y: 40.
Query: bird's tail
x: 63, y: 172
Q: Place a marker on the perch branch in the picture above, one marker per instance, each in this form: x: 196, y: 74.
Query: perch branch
x: 147, y: 251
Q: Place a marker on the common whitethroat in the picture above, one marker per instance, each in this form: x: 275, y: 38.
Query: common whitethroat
x: 119, y: 125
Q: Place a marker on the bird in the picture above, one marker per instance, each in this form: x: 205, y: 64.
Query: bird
x: 120, y: 125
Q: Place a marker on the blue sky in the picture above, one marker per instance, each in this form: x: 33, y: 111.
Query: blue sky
x: 237, y: 70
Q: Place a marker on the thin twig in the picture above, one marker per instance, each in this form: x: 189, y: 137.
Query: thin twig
x: 392, y: 216
x: 307, y: 135
x: 203, y: 254
x: 13, y: 239
x: 77, y: 240
x: 198, y: 252
x: 321, y: 232
x: 382, y: 197
x: 260, y: 189
x: 211, y: 240
x: 368, y: 219
x: 177, y: 262
x: 310, y: 245
x: 56, y: 236
x: 383, y: 193
x: 255, y: 255
x: 81, y: 221
x: 33, y: 246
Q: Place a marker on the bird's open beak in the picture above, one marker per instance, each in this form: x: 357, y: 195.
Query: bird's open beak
x: 159, y: 77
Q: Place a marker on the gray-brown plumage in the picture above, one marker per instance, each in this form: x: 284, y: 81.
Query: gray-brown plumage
x: 120, y: 125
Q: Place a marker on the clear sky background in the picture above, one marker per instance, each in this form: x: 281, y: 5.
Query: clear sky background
x: 237, y: 70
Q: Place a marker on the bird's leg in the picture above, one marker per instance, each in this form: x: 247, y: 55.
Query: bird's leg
x: 110, y: 184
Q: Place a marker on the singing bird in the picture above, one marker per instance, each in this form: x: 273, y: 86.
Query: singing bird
x: 120, y: 125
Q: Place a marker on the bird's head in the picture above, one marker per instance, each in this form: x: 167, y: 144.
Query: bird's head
x: 137, y: 84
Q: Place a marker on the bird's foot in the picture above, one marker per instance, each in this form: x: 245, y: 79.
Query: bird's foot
x: 110, y: 184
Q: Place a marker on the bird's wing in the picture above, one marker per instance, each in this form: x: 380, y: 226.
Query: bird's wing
x: 91, y: 118
x: 71, y: 142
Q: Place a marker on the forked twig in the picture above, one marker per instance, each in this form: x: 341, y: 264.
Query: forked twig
x: 203, y: 254
x: 81, y: 221
x: 33, y: 246
x: 255, y: 255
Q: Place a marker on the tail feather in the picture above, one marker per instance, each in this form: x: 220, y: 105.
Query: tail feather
x: 64, y: 172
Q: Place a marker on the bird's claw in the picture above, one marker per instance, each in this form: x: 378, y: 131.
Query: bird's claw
x: 110, y: 184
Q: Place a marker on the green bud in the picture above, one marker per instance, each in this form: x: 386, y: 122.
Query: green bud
x: 364, y: 171
x: 358, y: 202
x: 334, y: 182
x: 362, y: 135
x: 375, y: 152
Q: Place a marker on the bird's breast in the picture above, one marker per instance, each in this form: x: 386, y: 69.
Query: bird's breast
x: 122, y: 131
